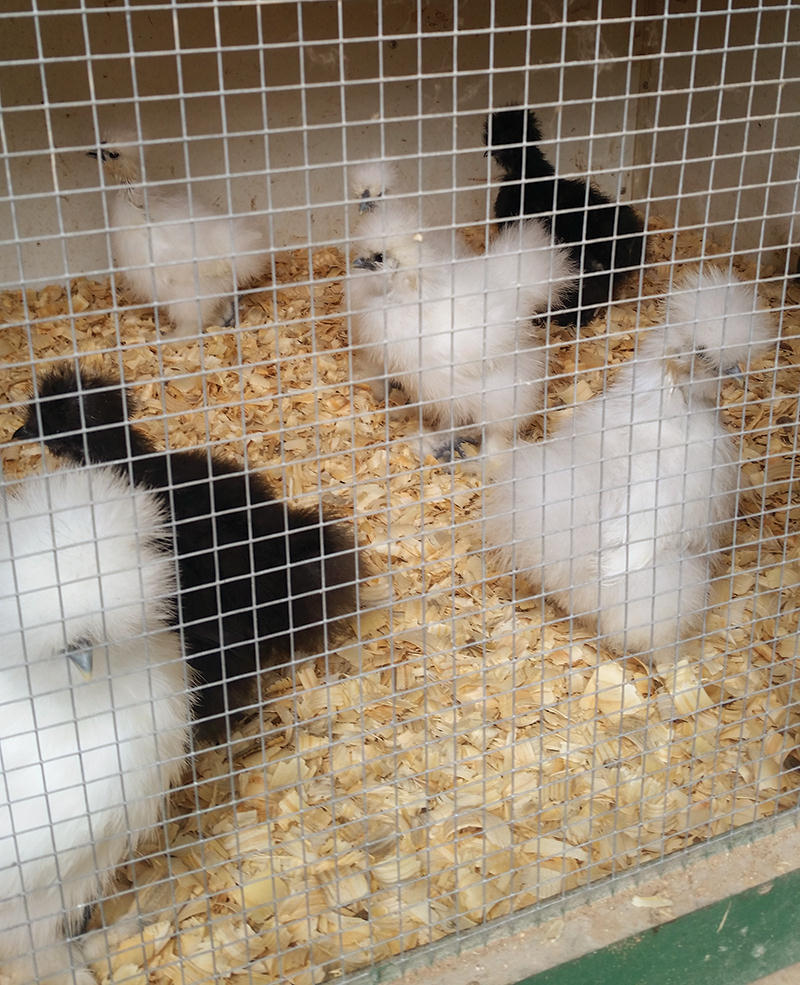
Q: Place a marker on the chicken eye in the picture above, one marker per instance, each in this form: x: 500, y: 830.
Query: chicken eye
x: 112, y: 154
x: 377, y: 257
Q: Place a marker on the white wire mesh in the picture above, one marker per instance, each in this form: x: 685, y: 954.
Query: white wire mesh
x: 469, y: 750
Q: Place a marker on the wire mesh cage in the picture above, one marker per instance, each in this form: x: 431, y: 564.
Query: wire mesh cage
x: 386, y: 457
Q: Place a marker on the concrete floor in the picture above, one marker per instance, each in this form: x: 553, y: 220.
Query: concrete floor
x: 789, y: 976
x: 703, y: 880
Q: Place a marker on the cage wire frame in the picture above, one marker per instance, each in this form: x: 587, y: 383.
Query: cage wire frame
x: 468, y: 762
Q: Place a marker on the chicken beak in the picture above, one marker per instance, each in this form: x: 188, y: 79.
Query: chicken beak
x: 736, y: 372
x: 365, y: 263
x: 366, y: 204
x: 81, y: 656
x: 24, y: 433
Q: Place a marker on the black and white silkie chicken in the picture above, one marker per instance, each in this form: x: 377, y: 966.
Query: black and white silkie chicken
x: 452, y: 328
x: 604, y: 238
x: 94, y: 710
x: 173, y: 247
x: 259, y: 582
x: 621, y: 515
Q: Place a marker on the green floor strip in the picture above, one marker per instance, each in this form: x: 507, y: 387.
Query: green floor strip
x: 733, y: 942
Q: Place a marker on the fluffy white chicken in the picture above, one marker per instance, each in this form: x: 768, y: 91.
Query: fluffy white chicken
x: 620, y: 515
x: 174, y: 250
x: 93, y: 707
x: 370, y: 181
x: 450, y: 327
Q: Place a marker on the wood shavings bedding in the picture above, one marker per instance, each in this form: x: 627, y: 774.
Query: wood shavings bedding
x: 472, y: 756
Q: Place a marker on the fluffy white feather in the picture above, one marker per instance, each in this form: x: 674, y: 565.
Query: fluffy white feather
x: 93, y: 711
x: 450, y: 327
x: 620, y: 515
x: 175, y: 250
x: 370, y: 181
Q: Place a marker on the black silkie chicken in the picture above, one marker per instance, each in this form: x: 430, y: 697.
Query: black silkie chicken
x: 605, y: 239
x: 258, y: 581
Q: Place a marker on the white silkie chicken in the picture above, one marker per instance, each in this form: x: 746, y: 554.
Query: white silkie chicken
x: 173, y: 248
x: 370, y: 181
x: 93, y: 707
x: 620, y: 515
x: 450, y: 327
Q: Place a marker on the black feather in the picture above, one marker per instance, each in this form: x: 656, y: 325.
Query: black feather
x: 258, y: 580
x: 605, y: 238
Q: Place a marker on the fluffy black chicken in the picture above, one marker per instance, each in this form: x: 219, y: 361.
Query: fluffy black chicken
x: 605, y: 238
x: 258, y: 581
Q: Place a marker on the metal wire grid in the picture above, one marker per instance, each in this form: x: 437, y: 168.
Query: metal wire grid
x: 464, y: 764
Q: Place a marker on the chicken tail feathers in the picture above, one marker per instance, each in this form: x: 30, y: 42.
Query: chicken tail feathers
x: 325, y: 567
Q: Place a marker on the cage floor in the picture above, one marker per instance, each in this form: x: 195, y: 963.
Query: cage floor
x: 473, y: 756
